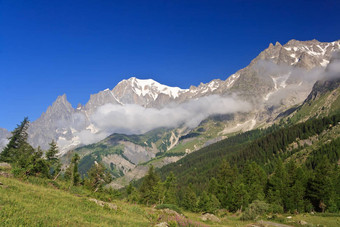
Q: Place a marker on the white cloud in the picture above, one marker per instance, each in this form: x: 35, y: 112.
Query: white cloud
x: 135, y: 119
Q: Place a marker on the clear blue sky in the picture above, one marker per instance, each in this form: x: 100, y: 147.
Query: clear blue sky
x: 48, y: 48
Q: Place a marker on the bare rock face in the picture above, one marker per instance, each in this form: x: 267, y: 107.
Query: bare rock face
x: 138, y: 154
x: 4, y: 135
x: 99, y: 99
x: 60, y: 121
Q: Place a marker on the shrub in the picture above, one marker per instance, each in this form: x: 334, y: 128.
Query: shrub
x: 255, y: 209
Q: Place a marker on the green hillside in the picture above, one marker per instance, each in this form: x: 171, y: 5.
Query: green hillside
x: 26, y: 204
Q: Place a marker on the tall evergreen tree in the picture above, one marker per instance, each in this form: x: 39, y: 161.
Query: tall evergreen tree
x: 255, y: 180
x: 189, y: 199
x: 74, y: 170
x: 170, y: 185
x: 18, y: 140
x: 321, y: 188
x: 148, y: 190
x: 226, y: 177
x: 278, y: 185
x: 51, y: 156
x: 97, y: 177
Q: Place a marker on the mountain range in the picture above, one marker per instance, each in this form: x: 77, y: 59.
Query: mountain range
x: 143, y: 121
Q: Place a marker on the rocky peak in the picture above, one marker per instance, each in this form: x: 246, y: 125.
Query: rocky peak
x: 60, y: 105
x: 99, y: 99
x: 277, y: 44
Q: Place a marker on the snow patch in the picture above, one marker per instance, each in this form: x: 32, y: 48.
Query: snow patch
x: 279, y: 83
x: 67, y: 145
x: 324, y: 63
x: 231, y: 80
x: 153, y: 88
x: 92, y: 128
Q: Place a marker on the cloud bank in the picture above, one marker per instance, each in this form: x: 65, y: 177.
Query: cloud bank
x: 135, y: 119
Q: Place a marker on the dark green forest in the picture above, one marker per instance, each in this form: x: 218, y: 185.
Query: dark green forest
x: 248, y: 168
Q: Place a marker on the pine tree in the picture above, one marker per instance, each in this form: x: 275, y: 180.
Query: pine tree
x: 226, y: 178
x: 132, y: 194
x: 75, y: 173
x: 51, y: 156
x: 189, y: 200
x: 148, y: 190
x: 255, y: 181
x: 97, y: 177
x: 18, y: 139
x: 213, y: 186
x: 278, y: 185
x: 321, y: 189
x: 170, y: 185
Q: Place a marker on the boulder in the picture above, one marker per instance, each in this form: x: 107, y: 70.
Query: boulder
x: 102, y: 203
x: 5, y: 165
x: 162, y: 224
x: 210, y: 217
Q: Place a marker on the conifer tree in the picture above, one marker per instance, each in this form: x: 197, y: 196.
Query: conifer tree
x: 321, y: 188
x: 189, y: 200
x: 18, y: 139
x: 170, y: 185
x: 148, y: 190
x: 132, y: 194
x: 278, y: 185
x: 97, y: 177
x: 52, y: 159
x: 255, y: 181
x: 74, y: 171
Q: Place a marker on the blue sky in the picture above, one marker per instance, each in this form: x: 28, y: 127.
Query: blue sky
x: 48, y: 48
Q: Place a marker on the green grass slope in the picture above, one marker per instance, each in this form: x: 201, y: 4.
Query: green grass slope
x: 26, y: 204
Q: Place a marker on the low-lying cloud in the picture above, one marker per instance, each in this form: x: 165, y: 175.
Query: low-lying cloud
x: 135, y: 119
x: 293, y: 84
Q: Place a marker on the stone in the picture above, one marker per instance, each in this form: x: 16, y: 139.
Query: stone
x: 303, y: 222
x: 102, y: 203
x: 162, y: 224
x: 210, y: 217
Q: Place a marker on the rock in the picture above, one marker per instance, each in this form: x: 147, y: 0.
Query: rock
x: 102, y: 203
x: 5, y: 165
x: 171, y: 212
x: 302, y: 222
x: 210, y: 217
x: 4, y: 174
x: 162, y: 224
x: 289, y: 217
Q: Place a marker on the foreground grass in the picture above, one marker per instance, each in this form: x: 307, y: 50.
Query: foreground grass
x: 328, y: 220
x: 40, y: 204
x: 25, y: 204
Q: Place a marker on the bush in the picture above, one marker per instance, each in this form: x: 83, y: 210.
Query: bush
x: 170, y: 207
x: 276, y: 209
x: 255, y: 209
x: 19, y: 172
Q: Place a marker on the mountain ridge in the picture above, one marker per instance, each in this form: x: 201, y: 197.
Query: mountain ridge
x: 252, y: 83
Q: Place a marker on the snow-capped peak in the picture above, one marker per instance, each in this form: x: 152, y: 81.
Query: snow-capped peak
x: 143, y: 87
